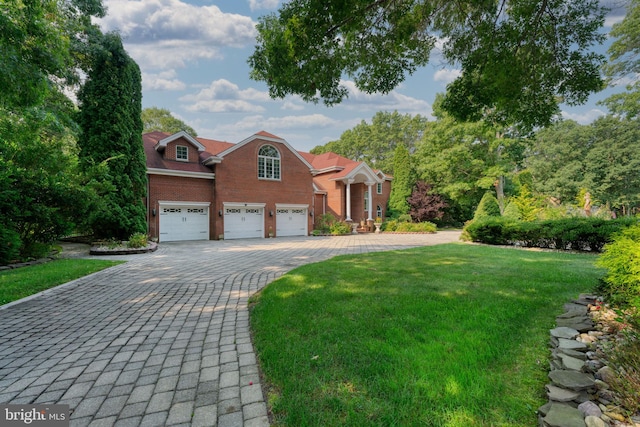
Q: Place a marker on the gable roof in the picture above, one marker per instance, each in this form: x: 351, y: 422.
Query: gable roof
x: 265, y: 136
x: 342, y: 168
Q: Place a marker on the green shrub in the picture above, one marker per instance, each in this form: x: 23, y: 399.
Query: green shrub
x: 621, y: 258
x: 512, y: 212
x: 390, y: 225
x: 405, y: 218
x: 417, y: 227
x: 340, y: 227
x: 488, y: 207
x: 137, y: 240
x: 324, y: 222
x: 490, y: 230
x: 9, y: 245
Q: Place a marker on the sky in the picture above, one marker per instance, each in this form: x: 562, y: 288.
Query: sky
x: 193, y: 58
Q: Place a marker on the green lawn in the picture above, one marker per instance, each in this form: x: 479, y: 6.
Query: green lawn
x: 25, y: 281
x: 450, y: 335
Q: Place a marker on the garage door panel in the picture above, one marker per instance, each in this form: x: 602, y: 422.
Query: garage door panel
x: 184, y: 223
x: 291, y: 222
x: 243, y: 222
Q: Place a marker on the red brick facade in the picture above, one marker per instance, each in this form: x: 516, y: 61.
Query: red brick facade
x: 216, y: 173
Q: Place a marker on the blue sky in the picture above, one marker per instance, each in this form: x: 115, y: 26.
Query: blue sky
x: 193, y: 56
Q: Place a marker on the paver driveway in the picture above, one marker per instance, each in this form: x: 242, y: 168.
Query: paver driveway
x: 164, y: 338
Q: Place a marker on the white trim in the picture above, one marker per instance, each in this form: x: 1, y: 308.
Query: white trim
x: 180, y: 159
x: 361, y: 169
x: 175, y: 203
x: 291, y: 205
x: 243, y: 205
x: 184, y: 174
x: 162, y: 144
x: 268, y: 139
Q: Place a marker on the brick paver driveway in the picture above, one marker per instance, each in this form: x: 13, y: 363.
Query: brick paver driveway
x: 164, y: 338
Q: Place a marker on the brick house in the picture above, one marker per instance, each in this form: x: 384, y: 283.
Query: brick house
x: 201, y: 189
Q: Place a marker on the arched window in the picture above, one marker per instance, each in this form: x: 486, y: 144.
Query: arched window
x: 268, y: 163
x: 379, y: 212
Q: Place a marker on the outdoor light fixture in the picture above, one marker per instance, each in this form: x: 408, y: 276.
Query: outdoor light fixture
x: 153, y: 211
x: 220, y: 212
x: 270, y: 213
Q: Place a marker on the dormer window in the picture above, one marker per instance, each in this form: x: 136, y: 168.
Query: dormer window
x: 182, y: 153
x: 268, y: 163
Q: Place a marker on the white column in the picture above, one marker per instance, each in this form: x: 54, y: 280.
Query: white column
x: 348, y: 182
x: 370, y: 201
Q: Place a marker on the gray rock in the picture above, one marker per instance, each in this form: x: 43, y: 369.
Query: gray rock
x: 575, y: 307
x: 592, y: 421
x: 590, y: 408
x: 573, y: 313
x: 563, y: 415
x: 573, y: 353
x: 571, y: 345
x: 606, y: 374
x: 572, y: 363
x: 572, y: 380
x: 544, y: 409
x: 581, y: 324
x: 601, y: 385
x: 564, y: 332
x: 559, y: 394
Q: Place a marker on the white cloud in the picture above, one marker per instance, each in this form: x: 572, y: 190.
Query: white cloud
x: 394, y: 100
x: 164, y: 81
x: 583, y: 118
x: 446, y: 76
x: 170, y: 33
x: 263, y: 4
x: 225, y: 96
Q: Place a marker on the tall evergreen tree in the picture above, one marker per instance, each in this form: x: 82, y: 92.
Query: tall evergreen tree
x: 111, y: 135
x: 403, y: 180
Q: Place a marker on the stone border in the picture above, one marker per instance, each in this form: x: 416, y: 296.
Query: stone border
x: 120, y: 250
x: 578, y: 394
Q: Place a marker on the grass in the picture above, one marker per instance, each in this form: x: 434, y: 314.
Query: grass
x: 22, y: 282
x: 450, y: 335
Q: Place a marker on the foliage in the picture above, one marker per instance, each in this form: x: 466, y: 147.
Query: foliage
x: 488, y: 207
x: 528, y: 206
x: 582, y: 234
x: 621, y: 258
x: 512, y: 212
x: 416, y: 227
x: 138, y: 240
x: 375, y: 143
x: 402, y: 183
x: 519, y: 58
x: 110, y: 119
x: 10, y: 244
x: 161, y: 119
x: 624, y: 358
x: 353, y: 341
x: 324, y: 223
x: 21, y: 282
x: 340, y: 227
x: 424, y: 204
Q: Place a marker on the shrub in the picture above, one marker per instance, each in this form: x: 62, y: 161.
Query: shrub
x: 416, y: 227
x: 137, y: 240
x: 324, y: 222
x: 488, y: 207
x: 405, y: 218
x: 490, y: 230
x: 621, y: 258
x: 9, y: 245
x: 512, y: 212
x: 340, y: 227
x: 390, y: 225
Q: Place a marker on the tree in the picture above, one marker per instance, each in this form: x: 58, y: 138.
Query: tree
x: 424, y: 204
x: 519, y: 58
x: 556, y: 159
x: 488, y: 207
x: 375, y: 143
x: 161, y: 119
x: 624, y: 62
x: 111, y: 134
x: 402, y: 183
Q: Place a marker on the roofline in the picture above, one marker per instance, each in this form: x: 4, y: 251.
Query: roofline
x: 183, y: 174
x: 368, y: 171
x: 268, y: 139
x: 162, y: 144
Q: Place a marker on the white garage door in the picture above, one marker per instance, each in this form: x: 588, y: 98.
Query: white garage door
x: 243, y: 222
x: 291, y: 221
x: 184, y: 222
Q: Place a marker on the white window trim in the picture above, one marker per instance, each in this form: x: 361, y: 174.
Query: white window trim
x: 379, y: 188
x: 272, y: 160
x: 187, y: 153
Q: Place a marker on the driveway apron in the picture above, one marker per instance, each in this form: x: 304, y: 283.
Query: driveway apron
x: 162, y: 339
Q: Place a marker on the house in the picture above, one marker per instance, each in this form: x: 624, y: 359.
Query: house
x: 202, y: 189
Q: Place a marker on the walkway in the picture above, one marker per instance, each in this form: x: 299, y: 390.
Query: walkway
x: 164, y: 338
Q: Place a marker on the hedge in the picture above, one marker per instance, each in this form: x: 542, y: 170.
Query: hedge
x: 582, y: 234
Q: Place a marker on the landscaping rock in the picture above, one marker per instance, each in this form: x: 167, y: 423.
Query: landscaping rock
x: 563, y: 415
x: 572, y: 380
x: 572, y: 363
x: 589, y: 408
x: 564, y: 332
x: 564, y: 343
x: 591, y: 421
x: 581, y: 323
x: 559, y: 394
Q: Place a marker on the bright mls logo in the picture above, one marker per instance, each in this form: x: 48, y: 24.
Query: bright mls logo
x: 34, y: 415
